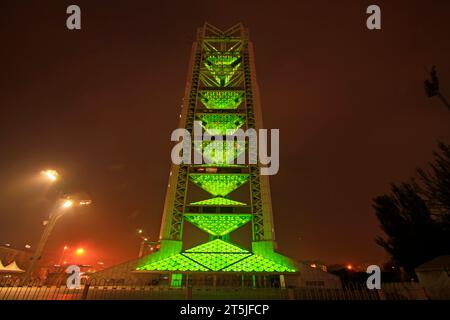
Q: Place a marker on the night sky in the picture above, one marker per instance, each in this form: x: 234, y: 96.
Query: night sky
x: 100, y: 104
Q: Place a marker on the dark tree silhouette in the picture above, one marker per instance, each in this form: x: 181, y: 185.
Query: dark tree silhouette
x: 436, y: 183
x: 415, y: 216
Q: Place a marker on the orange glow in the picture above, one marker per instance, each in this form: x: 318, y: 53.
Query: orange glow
x: 80, y: 251
x: 51, y: 175
x: 67, y: 203
x: 349, y: 267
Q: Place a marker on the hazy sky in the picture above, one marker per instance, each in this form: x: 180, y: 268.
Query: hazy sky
x: 99, y: 104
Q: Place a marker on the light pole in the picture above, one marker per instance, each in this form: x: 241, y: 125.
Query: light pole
x: 144, y: 242
x: 62, y: 255
x: 142, y: 246
x: 63, y: 205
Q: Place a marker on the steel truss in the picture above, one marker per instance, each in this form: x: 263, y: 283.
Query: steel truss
x: 222, y: 68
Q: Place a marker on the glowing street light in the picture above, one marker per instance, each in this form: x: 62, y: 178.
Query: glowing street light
x: 84, y: 202
x: 67, y: 203
x: 80, y: 251
x: 63, y: 204
x: 51, y: 175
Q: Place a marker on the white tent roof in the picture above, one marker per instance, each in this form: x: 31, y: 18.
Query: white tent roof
x: 438, y: 263
x: 12, y: 267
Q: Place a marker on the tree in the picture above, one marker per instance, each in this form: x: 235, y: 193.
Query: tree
x: 415, y: 216
x: 437, y: 183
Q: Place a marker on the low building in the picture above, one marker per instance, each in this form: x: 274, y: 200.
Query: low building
x: 434, y: 276
x: 311, y: 277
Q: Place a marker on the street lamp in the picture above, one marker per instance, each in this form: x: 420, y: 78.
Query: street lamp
x: 50, y: 174
x: 67, y: 204
x: 63, y: 254
x: 63, y: 205
x: 144, y: 241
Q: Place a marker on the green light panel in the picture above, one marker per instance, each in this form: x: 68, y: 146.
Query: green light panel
x: 218, y: 99
x: 219, y: 152
x: 218, y: 165
x: 218, y: 60
x: 257, y: 263
x: 177, y: 262
x: 221, y: 124
x: 218, y: 201
x: 219, y: 184
x: 216, y: 261
x: 217, y: 254
x: 217, y: 246
x: 176, y: 280
x: 218, y: 224
x: 223, y: 67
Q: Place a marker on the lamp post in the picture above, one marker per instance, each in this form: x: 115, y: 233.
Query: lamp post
x: 62, y: 206
x: 144, y: 241
x: 62, y: 255
x: 142, y: 246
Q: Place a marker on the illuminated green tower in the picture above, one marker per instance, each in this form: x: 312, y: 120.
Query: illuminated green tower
x: 221, y: 93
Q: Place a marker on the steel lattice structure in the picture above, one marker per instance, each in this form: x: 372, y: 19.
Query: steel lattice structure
x: 222, y: 93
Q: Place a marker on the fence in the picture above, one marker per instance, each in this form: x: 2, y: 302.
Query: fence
x: 135, y: 290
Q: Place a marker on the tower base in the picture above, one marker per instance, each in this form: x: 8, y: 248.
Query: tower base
x: 217, y: 256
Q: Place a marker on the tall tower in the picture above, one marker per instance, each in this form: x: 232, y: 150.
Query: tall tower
x: 222, y: 94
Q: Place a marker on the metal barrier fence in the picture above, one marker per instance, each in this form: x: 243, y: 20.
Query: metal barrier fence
x: 135, y: 290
